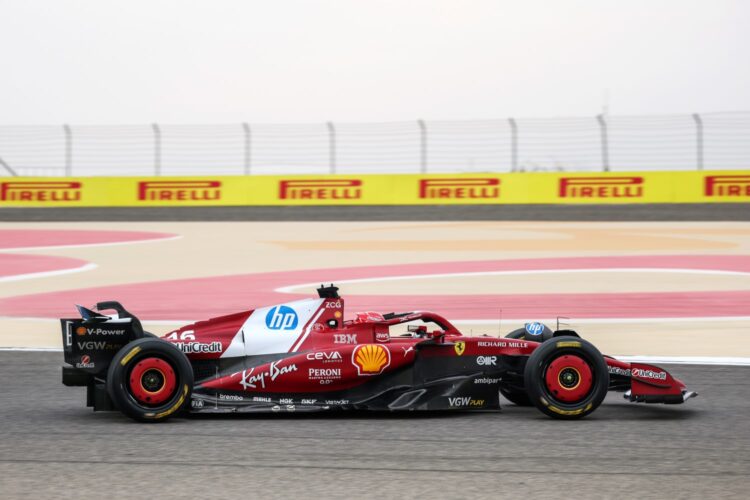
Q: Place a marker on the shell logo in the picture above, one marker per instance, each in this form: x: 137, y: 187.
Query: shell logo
x: 81, y: 330
x: 371, y: 359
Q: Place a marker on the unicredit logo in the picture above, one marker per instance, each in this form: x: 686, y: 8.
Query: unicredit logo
x: 641, y: 373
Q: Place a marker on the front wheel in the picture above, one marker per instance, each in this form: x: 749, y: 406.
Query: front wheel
x: 566, y: 378
x: 149, y: 380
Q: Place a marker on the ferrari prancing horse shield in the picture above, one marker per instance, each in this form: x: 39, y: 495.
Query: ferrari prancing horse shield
x: 460, y: 347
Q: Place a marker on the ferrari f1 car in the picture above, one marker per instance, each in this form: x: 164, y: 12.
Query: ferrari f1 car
x: 305, y: 356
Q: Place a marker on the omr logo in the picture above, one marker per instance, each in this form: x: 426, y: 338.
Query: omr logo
x: 281, y: 318
x: 471, y: 188
x: 43, y: 191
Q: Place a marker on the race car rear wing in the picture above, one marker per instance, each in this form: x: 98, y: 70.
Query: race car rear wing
x: 91, y: 341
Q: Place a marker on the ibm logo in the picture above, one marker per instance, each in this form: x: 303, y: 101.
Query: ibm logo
x: 281, y: 318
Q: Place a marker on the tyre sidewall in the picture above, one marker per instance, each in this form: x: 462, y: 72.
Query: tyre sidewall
x: 536, y: 388
x: 123, y: 363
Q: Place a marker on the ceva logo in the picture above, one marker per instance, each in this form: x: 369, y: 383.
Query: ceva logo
x: 281, y: 318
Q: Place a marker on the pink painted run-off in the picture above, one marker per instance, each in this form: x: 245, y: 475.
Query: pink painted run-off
x: 14, y: 264
x: 48, y: 238
x: 202, y: 298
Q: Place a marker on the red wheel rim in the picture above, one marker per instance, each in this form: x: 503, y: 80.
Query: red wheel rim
x: 569, y: 378
x: 152, y: 381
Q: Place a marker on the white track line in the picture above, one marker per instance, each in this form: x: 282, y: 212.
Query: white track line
x: 687, y: 360
x: 31, y: 349
x: 86, y: 267
x: 145, y: 321
x: 666, y: 360
x: 293, y: 288
x: 567, y: 320
x: 108, y: 244
x: 47, y: 274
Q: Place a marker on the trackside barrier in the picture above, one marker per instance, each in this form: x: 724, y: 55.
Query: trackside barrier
x: 403, y: 189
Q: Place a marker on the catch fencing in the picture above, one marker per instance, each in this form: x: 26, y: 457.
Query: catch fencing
x: 709, y: 141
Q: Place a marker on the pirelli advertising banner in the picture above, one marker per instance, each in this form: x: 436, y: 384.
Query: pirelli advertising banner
x: 400, y: 189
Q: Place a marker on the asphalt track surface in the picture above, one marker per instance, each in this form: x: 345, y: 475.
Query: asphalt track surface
x: 52, y: 446
x: 632, y: 212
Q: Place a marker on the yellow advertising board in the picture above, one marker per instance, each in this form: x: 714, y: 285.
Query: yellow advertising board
x: 392, y: 189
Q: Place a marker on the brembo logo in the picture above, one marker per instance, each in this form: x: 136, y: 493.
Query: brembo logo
x: 179, y: 190
x: 727, y: 185
x: 281, y: 318
x: 313, y: 189
x: 43, y: 191
x: 472, y: 188
x: 601, y: 187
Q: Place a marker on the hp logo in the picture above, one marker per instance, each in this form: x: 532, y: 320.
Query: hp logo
x: 281, y: 318
x: 534, y: 328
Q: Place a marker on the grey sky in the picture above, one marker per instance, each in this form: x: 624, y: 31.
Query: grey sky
x: 302, y: 61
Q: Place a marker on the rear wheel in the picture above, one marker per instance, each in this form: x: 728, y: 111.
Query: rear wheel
x: 566, y: 378
x: 150, y: 380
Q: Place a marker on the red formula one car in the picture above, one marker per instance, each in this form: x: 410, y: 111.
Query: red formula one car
x: 305, y: 356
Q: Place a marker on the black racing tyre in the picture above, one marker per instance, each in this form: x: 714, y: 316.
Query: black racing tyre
x: 516, y: 334
x: 150, y: 380
x: 518, y: 398
x: 149, y: 334
x: 566, y: 378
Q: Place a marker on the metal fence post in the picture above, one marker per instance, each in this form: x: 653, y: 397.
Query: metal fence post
x: 513, y: 144
x: 698, y: 140
x: 157, y: 149
x: 331, y: 147
x: 246, y: 129
x: 7, y: 167
x: 605, y: 142
x: 423, y: 146
x: 68, y: 150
